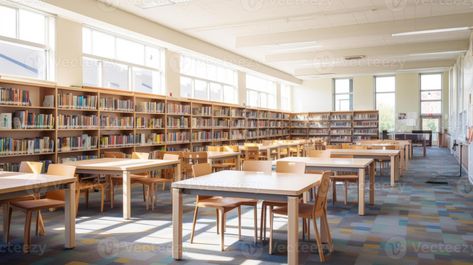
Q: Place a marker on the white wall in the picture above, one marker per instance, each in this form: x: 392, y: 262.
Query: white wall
x: 68, y: 52
x: 313, y: 96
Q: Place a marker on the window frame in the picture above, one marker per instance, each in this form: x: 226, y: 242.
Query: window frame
x: 48, y: 47
x: 434, y: 115
x: 161, y: 90
x: 335, y: 94
x: 289, y: 98
x: 385, y: 92
x: 195, y: 77
x: 262, y: 92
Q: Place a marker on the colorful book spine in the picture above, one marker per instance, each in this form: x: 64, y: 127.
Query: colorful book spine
x: 114, y: 104
x: 81, y: 102
x: 75, y: 143
x: 114, y: 122
x: 178, y: 137
x: 117, y: 140
x: 38, y: 145
x: 150, y: 107
x: 178, y: 122
x: 176, y: 108
x: 31, y: 120
x: 149, y: 123
x: 14, y: 96
x: 201, y: 123
x: 77, y: 121
x: 150, y: 139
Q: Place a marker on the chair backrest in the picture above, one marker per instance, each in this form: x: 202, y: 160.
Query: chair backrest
x: 137, y: 155
x: 333, y: 146
x: 251, y: 153
x: 214, y: 148
x: 318, y: 153
x: 114, y: 155
x: 195, y: 157
x: 231, y: 148
x: 59, y: 170
x: 346, y: 146
x: 160, y: 154
x: 322, y: 191
x: 171, y: 157
x: 202, y: 169
x: 31, y: 167
x: 258, y: 166
x: 290, y: 167
x: 320, y: 146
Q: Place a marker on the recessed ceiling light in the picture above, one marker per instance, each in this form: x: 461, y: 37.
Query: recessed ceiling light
x: 430, y: 31
x: 147, y: 4
x: 437, y: 53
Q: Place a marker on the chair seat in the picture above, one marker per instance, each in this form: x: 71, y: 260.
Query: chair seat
x: 23, y: 198
x: 38, y: 204
x: 248, y: 202
x: 146, y: 180
x: 219, y: 202
x: 305, y: 210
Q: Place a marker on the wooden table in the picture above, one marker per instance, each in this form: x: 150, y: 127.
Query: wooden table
x: 276, y: 147
x: 342, y: 164
x: 125, y: 167
x: 216, y: 156
x: 250, y: 185
x: 403, y: 147
x: 392, y: 155
x: 14, y: 185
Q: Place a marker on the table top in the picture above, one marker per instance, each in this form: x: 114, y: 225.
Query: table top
x: 215, y: 155
x: 119, y: 164
x: 331, y: 162
x: 14, y: 181
x: 365, y: 152
x: 252, y: 182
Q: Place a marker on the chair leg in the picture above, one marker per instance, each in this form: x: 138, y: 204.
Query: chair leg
x: 102, y: 198
x: 144, y: 195
x: 196, y: 212
x: 77, y: 200
x: 329, y: 235
x: 8, y: 224
x: 222, y: 229
x: 218, y: 221
x: 346, y: 192
x: 112, y: 193
x: 271, y: 217
x: 239, y: 222
x: 334, y: 192
x: 153, y: 198
x: 308, y: 229
x: 262, y: 220
x: 27, y: 231
x: 255, y: 217
x: 318, y: 241
x: 303, y: 229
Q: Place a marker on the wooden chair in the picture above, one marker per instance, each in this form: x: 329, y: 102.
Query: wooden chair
x: 346, y: 146
x: 222, y: 165
x: 214, y: 148
x: 359, y: 147
x: 345, y: 177
x: 251, y: 153
x: 192, y: 158
x: 318, y: 153
x: 220, y: 204
x: 281, y: 167
x: 86, y: 186
x: 334, y: 146
x: 257, y: 166
x: 383, y: 162
x: 306, y: 148
x: 310, y: 212
x: 31, y: 168
x: 53, y: 199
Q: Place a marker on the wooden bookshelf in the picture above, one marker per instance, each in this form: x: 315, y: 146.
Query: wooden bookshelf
x: 79, y: 123
x: 336, y: 127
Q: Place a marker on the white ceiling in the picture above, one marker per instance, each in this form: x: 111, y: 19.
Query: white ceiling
x: 308, y: 38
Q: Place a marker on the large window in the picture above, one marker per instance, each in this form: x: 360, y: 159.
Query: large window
x: 431, y: 103
x: 115, y: 62
x: 343, y: 94
x: 207, y: 80
x: 26, y: 43
x: 386, y: 102
x: 260, y: 92
x: 286, y: 97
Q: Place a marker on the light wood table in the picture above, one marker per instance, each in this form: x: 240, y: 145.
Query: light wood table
x: 392, y: 155
x: 125, y: 167
x: 250, y: 185
x: 277, y: 148
x: 403, y: 147
x: 14, y: 185
x: 217, y: 156
x: 362, y: 166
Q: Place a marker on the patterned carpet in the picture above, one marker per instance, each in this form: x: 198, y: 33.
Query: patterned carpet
x: 412, y: 224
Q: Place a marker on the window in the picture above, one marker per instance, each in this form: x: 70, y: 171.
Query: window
x: 286, y: 97
x: 343, y: 94
x: 386, y: 102
x: 260, y: 92
x: 115, y: 62
x: 207, y: 80
x: 431, y: 94
x: 26, y: 43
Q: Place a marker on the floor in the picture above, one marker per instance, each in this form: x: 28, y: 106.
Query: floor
x: 412, y: 224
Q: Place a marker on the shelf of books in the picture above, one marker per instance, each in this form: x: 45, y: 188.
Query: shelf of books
x: 57, y: 124
x: 336, y: 127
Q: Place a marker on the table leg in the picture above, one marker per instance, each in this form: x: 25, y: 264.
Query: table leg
x: 177, y: 224
x: 406, y: 156
x: 393, y: 170
x: 293, y: 231
x: 278, y: 152
x: 361, y: 191
x: 372, y: 180
x: 126, y: 195
x: 268, y: 154
x: 403, y: 165
x: 5, y: 207
x: 178, y: 172
x: 70, y: 216
x: 238, y: 162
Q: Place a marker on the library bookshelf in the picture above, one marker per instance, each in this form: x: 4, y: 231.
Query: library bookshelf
x: 50, y: 123
x: 336, y: 127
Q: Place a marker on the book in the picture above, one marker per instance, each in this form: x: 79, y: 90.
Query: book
x: 48, y: 101
x: 5, y: 121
